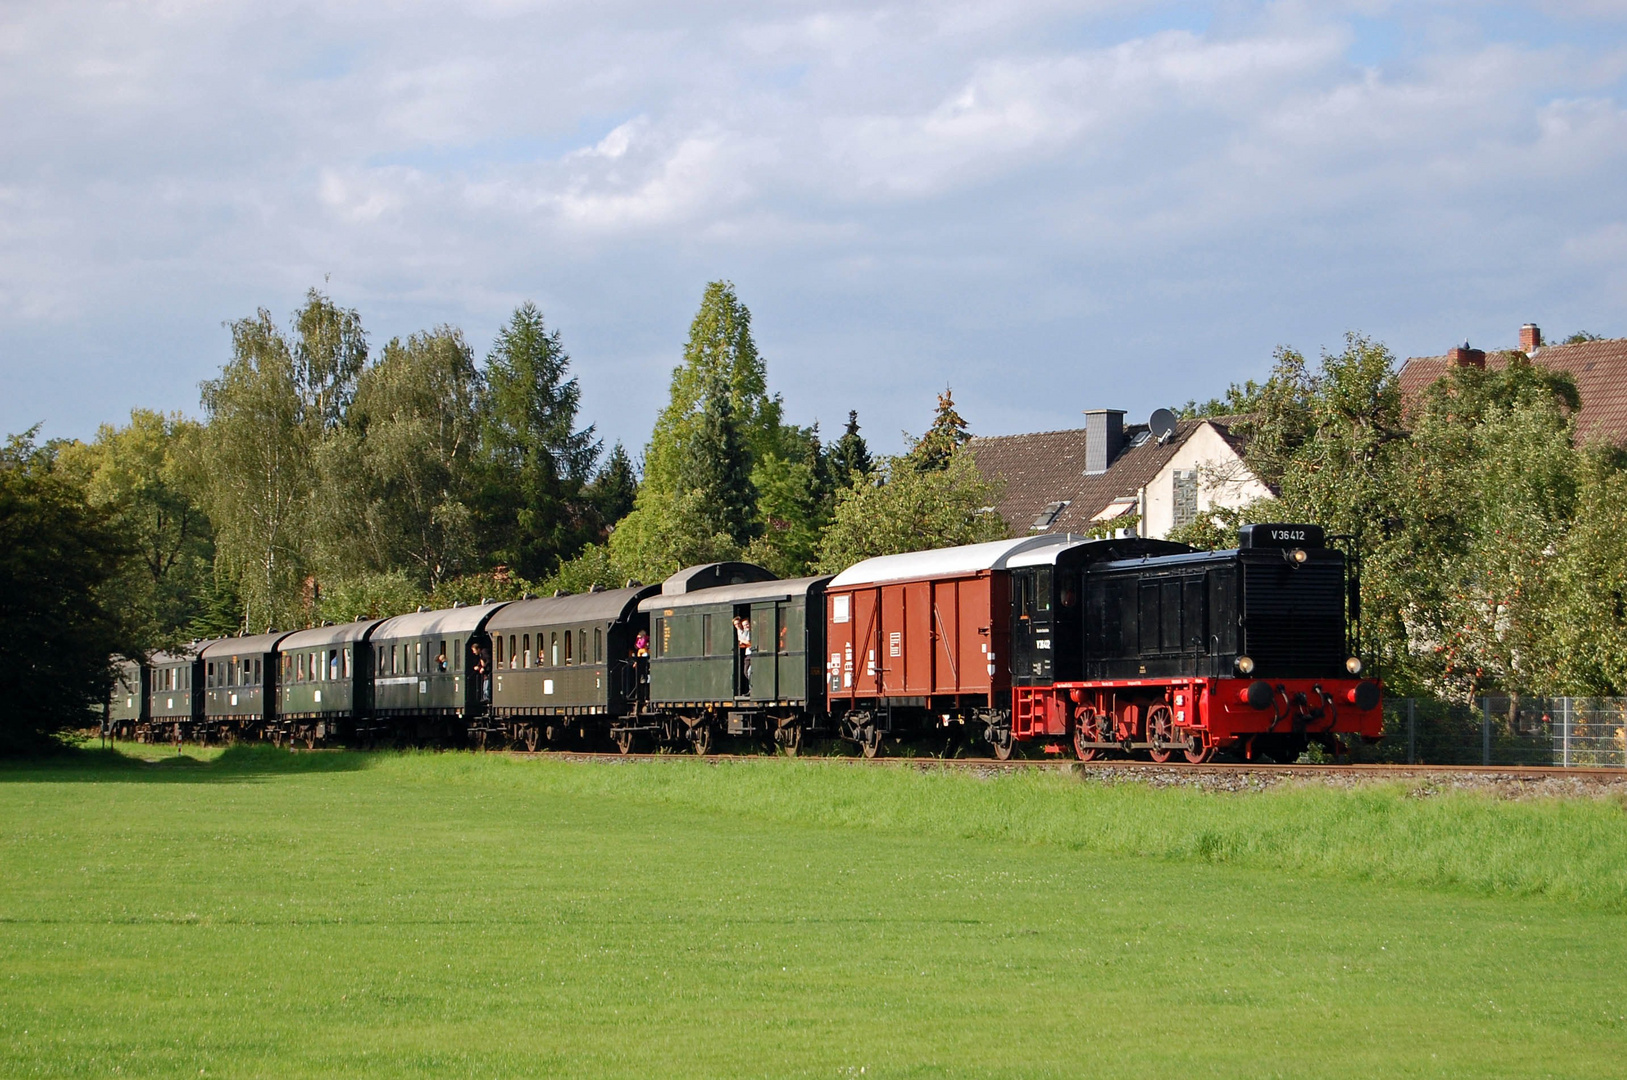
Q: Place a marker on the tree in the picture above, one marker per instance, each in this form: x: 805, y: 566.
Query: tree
x: 947, y: 434
x: 851, y: 455
x: 61, y: 617
x: 257, y: 459
x: 145, y: 475
x: 909, y: 508
x: 1581, y: 337
x: 330, y: 351
x: 615, y: 488
x: 697, y: 501
x: 534, y: 460
x: 795, y: 501
x: 409, y: 446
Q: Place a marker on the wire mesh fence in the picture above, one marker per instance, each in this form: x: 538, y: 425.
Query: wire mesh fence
x: 1575, y: 732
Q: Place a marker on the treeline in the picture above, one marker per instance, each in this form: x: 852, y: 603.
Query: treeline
x: 1494, y: 548
x: 328, y: 480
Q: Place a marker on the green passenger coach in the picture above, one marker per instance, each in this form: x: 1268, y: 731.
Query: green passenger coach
x: 562, y: 661
x: 431, y: 668
x: 325, y: 682
x: 240, y: 686
x: 739, y: 658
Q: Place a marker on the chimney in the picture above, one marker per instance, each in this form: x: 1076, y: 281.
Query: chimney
x: 1466, y: 357
x: 1104, y: 435
x: 1530, y: 338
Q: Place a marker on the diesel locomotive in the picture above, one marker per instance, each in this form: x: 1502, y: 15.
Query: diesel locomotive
x: 1116, y: 646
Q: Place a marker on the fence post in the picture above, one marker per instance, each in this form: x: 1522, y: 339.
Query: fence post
x: 1412, y: 731
x: 1485, y: 731
x: 1565, y: 731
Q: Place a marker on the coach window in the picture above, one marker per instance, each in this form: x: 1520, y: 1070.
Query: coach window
x: 457, y: 654
x: 581, y: 646
x: 258, y: 679
x: 706, y: 635
x: 209, y: 675
x: 598, y: 645
x: 440, y: 658
x: 499, y: 650
x: 346, y: 662
x: 567, y: 648
x: 553, y: 649
x: 513, y: 654
x: 525, y: 650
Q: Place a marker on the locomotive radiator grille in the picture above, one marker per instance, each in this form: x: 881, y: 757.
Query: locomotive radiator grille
x: 1294, y: 617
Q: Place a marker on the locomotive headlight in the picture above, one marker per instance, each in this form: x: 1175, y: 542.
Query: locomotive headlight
x: 1353, y: 665
x: 1298, y: 556
x: 1245, y: 664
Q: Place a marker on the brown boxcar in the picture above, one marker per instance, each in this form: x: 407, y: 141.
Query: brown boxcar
x: 921, y: 640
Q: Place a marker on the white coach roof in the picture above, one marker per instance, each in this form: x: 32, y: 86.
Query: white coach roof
x: 953, y: 562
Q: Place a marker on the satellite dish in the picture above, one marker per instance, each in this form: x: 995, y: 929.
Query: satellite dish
x: 1162, y: 424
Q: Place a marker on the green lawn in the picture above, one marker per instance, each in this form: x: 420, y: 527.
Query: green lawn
x: 262, y: 914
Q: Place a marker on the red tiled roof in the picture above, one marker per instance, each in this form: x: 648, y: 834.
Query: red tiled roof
x: 1049, y: 466
x: 1599, y: 368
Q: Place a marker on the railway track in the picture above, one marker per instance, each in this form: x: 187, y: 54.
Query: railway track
x: 1466, y: 775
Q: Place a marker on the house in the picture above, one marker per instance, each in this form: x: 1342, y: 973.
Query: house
x: 1150, y: 478
x: 1599, y: 368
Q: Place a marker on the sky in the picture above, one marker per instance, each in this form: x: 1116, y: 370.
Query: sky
x: 1049, y: 207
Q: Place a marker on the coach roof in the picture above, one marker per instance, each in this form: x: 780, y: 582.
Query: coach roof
x: 948, y: 562
x: 458, y: 620
x: 777, y: 589
x: 244, y: 646
x: 329, y: 635
x: 608, y: 606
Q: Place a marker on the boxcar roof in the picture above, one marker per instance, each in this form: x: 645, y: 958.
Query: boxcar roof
x: 712, y: 576
x: 441, y: 621
x: 777, y: 589
x: 606, y: 607
x: 237, y: 646
x: 329, y: 635
x: 946, y: 562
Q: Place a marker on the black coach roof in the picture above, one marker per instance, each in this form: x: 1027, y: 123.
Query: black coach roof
x: 606, y: 607
x: 240, y: 646
x: 458, y: 620
x: 713, y: 576
x: 329, y: 635
x: 776, y: 589
x: 187, y: 653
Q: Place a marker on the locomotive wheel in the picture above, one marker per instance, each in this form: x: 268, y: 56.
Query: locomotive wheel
x: 700, y: 738
x: 624, y: 741
x: 1088, y: 728
x: 870, y: 741
x: 1160, y: 732
x: 1205, y: 751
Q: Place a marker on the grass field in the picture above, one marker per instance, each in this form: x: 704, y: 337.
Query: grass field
x: 264, y: 914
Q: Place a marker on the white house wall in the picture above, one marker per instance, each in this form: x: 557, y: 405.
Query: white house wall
x: 1224, y: 481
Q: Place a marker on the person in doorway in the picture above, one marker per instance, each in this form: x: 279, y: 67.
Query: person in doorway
x: 742, y: 636
x: 641, y: 644
x: 482, y: 672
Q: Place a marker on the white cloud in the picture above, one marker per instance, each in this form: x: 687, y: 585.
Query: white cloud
x: 1048, y: 205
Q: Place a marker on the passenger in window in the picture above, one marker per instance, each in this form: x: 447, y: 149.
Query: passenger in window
x: 641, y: 644
x: 481, y: 672
x: 742, y: 637
x: 440, y: 660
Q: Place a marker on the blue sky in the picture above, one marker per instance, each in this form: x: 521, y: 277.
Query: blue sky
x: 1048, y: 206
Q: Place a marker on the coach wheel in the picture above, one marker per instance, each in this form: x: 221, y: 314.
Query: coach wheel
x: 700, y: 738
x: 528, y: 735
x: 870, y: 740
x: 1160, y: 732
x: 789, y: 738
x: 624, y: 740
x: 309, y: 734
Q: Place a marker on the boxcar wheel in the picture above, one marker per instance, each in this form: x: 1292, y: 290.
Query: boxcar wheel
x: 870, y: 740
x: 790, y: 739
x: 1002, y: 742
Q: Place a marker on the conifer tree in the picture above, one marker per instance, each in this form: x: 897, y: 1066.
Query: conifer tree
x: 851, y: 454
